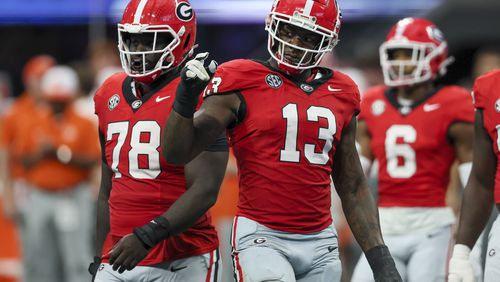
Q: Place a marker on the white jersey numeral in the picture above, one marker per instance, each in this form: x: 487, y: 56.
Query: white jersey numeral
x: 290, y: 153
x: 498, y: 137
x: 395, y: 152
x: 120, y: 128
x: 149, y: 149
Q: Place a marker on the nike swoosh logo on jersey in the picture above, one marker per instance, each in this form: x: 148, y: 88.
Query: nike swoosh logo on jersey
x: 177, y: 269
x: 431, y: 107
x: 331, y: 89
x: 159, y: 99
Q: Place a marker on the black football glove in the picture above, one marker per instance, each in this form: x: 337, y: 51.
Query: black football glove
x: 382, y: 264
x: 194, y: 78
x: 94, y: 266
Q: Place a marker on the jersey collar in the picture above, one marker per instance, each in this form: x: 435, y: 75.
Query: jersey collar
x: 308, y: 87
x: 135, y: 102
x: 391, y: 96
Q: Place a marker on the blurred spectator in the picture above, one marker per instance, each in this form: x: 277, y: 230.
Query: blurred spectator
x: 11, y: 172
x: 59, y: 149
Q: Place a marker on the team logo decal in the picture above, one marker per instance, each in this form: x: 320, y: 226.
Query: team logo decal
x: 497, y: 106
x: 378, y: 107
x: 113, y: 102
x: 274, y: 81
x: 101, y: 267
x: 492, y: 252
x: 307, y: 88
x: 184, y: 11
x: 435, y: 33
x: 136, y: 104
x: 260, y: 240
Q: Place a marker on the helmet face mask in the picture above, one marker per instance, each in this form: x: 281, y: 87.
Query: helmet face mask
x: 155, y: 36
x: 426, y: 53
x: 291, y: 17
x: 147, y: 50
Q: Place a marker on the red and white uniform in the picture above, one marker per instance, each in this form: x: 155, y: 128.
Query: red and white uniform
x: 413, y: 148
x: 144, y: 186
x: 285, y: 142
x: 487, y: 99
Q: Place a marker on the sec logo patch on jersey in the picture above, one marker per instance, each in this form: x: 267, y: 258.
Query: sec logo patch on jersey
x: 113, y: 102
x: 274, y: 81
x: 378, y: 107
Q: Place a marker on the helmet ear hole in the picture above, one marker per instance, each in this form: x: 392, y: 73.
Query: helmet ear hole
x: 186, y: 43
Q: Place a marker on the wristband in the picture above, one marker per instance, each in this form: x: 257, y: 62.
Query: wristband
x: 153, y: 232
x: 185, y: 103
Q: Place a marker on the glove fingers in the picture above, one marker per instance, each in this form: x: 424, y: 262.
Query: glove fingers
x: 212, y: 67
x: 199, y: 71
x: 201, y: 56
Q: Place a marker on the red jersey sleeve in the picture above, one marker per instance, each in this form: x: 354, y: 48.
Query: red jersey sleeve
x: 482, y: 87
x: 367, y: 99
x: 233, y: 76
x: 353, y: 99
x: 462, y: 109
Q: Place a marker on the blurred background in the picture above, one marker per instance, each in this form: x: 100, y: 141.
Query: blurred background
x: 82, y: 35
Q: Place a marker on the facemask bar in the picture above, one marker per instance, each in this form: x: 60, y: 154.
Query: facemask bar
x: 422, y: 55
x: 327, y: 43
x: 167, y: 52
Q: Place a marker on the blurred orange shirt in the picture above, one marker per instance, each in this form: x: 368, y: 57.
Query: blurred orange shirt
x: 18, y: 115
x: 76, y: 132
x: 226, y: 205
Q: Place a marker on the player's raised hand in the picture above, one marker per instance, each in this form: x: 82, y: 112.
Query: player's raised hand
x: 194, y: 78
x: 127, y: 253
x: 460, y: 268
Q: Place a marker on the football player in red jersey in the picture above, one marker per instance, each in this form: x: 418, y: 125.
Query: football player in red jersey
x: 152, y: 218
x: 415, y: 130
x: 483, y: 188
x: 292, y: 127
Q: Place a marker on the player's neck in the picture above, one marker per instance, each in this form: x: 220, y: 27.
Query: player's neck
x: 299, y: 77
x: 415, y: 92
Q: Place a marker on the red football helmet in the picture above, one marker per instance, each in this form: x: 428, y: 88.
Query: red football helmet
x: 428, y: 49
x: 172, y: 19
x: 322, y: 17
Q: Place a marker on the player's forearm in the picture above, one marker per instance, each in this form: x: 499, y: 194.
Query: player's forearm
x: 178, y: 139
x: 475, y: 212
x: 362, y: 215
x: 189, y: 208
x: 102, y: 224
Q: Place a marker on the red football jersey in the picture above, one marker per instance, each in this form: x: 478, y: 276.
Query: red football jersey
x: 487, y: 98
x: 285, y: 141
x: 411, y: 144
x: 144, y: 185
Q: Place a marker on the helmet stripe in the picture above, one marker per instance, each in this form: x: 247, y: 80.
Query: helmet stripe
x: 308, y: 7
x: 402, y: 25
x: 138, y: 12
